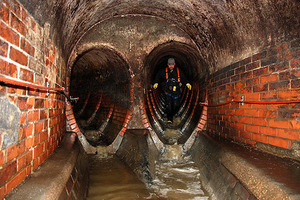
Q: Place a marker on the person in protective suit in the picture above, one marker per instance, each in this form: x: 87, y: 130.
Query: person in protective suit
x: 173, y: 79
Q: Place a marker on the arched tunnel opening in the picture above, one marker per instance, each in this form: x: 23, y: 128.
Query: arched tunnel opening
x: 101, y: 81
x: 188, y: 114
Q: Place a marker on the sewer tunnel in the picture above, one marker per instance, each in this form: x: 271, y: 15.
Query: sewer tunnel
x: 188, y: 115
x: 101, y: 81
x: 242, y: 59
x: 136, y: 64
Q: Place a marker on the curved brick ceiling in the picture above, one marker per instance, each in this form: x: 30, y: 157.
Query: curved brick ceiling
x: 224, y: 30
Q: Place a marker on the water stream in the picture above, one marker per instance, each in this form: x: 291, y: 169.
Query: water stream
x: 110, y: 178
x: 176, y: 177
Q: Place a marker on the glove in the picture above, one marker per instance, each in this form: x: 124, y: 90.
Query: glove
x: 189, y: 86
x: 155, y: 85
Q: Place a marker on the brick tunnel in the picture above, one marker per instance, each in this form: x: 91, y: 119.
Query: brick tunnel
x: 75, y: 75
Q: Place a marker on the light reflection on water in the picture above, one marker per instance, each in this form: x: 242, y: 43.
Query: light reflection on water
x: 178, y: 180
x: 175, y: 179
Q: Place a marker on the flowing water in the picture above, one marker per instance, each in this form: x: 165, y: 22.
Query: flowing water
x: 176, y: 177
x: 178, y: 180
x: 112, y: 179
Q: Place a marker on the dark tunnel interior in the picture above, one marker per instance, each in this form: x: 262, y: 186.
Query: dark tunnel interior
x: 188, y: 60
x: 186, y: 57
x: 100, y: 79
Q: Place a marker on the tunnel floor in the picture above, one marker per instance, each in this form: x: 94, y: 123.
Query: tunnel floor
x: 110, y: 178
x: 174, y: 177
x: 285, y: 171
x: 178, y: 179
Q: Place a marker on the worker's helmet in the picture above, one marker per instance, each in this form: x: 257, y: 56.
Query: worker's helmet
x: 171, y: 61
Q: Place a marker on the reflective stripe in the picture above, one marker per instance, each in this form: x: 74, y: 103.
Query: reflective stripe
x: 172, y: 96
x: 167, y: 74
x: 178, y: 74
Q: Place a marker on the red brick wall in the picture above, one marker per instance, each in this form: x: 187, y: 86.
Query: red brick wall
x: 27, y: 53
x: 272, y: 75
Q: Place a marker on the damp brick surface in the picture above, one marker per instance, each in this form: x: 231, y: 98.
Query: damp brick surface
x: 271, y: 75
x: 32, y: 122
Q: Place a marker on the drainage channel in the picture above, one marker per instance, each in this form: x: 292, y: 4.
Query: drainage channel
x: 110, y: 178
x: 175, y: 177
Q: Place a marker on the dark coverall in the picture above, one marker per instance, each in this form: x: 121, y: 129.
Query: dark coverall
x: 172, y: 88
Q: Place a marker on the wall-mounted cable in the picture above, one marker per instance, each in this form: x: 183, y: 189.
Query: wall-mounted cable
x: 9, y: 80
x: 250, y: 102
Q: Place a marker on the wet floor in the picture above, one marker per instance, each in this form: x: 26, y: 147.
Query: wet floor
x: 174, y: 179
x: 177, y: 177
x: 178, y: 180
x: 111, y: 179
